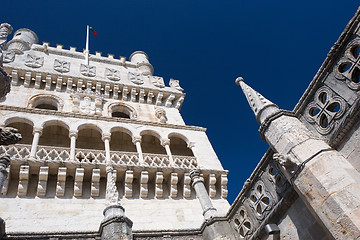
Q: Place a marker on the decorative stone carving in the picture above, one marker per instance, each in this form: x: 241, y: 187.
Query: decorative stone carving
x: 169, y: 100
x: 61, y: 66
x: 87, y: 70
x: 223, y: 182
x: 144, y: 184
x: 243, y: 224
x: 173, y: 185
x: 133, y: 95
x: 87, y: 102
x: 95, y: 182
x: 157, y: 81
x: 159, y: 99
x: 34, y: 61
x: 150, y: 97
x: 112, y: 74
x: 5, y: 30
x: 129, y: 177
x: 4, y: 164
x: 125, y: 93
x: 287, y: 161
x: 260, y: 200
x: 79, y: 177
x: 175, y: 84
x: 161, y: 115
x: 325, y: 109
x: 212, y: 187
x: 9, y: 135
x: 187, y: 187
x: 112, y: 195
x: 60, y: 185
x: 8, y: 56
x: 159, y: 184
x: 136, y: 78
x: 23, y: 180
x: 43, y: 178
x: 348, y: 67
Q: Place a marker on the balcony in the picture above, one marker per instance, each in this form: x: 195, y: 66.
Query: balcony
x: 21, y: 152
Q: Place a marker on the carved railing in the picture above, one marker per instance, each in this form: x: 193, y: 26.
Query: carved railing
x: 264, y: 195
x: 62, y: 154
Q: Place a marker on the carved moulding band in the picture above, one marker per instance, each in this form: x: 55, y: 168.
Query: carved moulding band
x: 46, y: 98
x: 348, y: 66
x: 324, y: 110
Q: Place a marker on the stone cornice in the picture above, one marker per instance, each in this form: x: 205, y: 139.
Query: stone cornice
x: 103, y: 118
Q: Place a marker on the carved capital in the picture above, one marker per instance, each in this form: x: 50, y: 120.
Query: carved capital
x: 37, y: 130
x: 106, y: 136
x: 73, y: 133
x: 195, y: 176
x: 136, y: 139
x: 165, y: 142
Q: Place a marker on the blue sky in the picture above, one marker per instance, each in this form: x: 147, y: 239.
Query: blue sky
x: 277, y: 46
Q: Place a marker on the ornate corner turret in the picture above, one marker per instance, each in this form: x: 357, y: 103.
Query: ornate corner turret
x: 261, y: 106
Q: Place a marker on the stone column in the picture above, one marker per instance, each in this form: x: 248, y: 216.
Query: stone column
x: 37, y: 133
x: 166, y: 144
x: 137, y: 142
x: 4, y: 163
x: 201, y: 193
x: 106, y: 139
x: 115, y: 224
x: 73, y: 136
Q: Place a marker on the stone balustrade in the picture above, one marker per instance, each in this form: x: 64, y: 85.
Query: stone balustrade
x: 264, y: 196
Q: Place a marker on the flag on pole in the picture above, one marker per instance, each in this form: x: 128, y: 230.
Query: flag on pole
x: 92, y: 30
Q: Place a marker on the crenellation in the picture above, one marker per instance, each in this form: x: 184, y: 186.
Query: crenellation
x: 43, y: 179
x: 23, y: 180
x: 59, y: 46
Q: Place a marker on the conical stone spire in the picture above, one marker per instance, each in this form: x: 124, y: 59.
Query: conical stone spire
x: 261, y: 107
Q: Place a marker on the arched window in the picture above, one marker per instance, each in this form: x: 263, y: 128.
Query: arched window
x: 46, y: 101
x: 150, y: 143
x: 119, y: 110
x: 25, y: 129
x: 179, y: 147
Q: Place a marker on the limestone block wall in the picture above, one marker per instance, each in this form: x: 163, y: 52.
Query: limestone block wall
x: 299, y: 224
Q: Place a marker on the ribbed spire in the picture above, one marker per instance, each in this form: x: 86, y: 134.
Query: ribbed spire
x: 261, y: 107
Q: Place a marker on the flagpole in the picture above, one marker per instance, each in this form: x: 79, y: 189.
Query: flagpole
x: 87, y: 46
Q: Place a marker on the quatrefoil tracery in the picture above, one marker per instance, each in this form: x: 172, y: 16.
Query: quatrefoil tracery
x: 243, y: 224
x: 325, y: 108
x: 260, y: 200
x: 348, y: 67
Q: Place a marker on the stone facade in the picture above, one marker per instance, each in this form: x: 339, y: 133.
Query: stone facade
x: 105, y: 153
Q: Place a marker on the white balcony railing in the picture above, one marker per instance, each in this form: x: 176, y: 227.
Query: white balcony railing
x: 62, y: 154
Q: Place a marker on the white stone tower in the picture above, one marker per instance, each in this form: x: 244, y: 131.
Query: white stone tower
x: 104, y: 134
